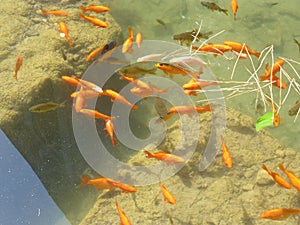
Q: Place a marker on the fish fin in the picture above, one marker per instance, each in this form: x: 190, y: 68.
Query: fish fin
x: 280, y: 166
x: 83, y: 9
x: 85, y: 180
x: 134, y: 107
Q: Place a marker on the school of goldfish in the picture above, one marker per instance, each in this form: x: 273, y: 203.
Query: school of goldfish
x: 88, y: 90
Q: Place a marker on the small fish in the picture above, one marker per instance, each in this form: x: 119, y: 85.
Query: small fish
x: 295, y: 108
x: 123, y: 218
x: 126, y: 188
x: 127, y: 45
x: 217, y: 49
x: 19, y: 63
x: 107, y: 51
x: 297, y: 42
x: 95, y: 8
x: 171, y: 70
x: 139, y: 39
x: 234, y: 7
x: 109, y: 127
x: 189, y: 110
x: 295, y: 181
x: 279, y: 214
x: 196, y: 85
x: 94, y: 21
x: 160, y: 107
x: 168, y: 197
x: 188, y: 37
x: 100, y: 183
x: 87, y: 94
x: 278, y: 179
x: 45, y: 107
x: 94, y: 114
x: 276, y: 116
x: 87, y: 85
x: 226, y: 158
x: 239, y: 47
x: 130, y: 71
x: 161, y: 22
x: 71, y: 80
x: 213, y: 6
x: 79, y: 101
x: 94, y: 53
x: 119, y: 98
x: 151, y: 57
x: 166, y: 157
x: 272, y: 71
x: 64, y: 32
x: 54, y: 12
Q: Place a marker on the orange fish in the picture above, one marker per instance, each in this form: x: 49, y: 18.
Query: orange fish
x: 239, y: 47
x: 109, y: 127
x: 166, y: 157
x: 94, y: 53
x: 94, y: 21
x: 89, y: 85
x: 79, y: 101
x: 276, y: 116
x: 226, y: 158
x: 65, y: 32
x: 217, y: 49
x: 126, y: 188
x: 71, y: 80
x: 119, y: 98
x: 54, y: 12
x: 272, y: 71
x: 170, y: 70
x: 100, y: 183
x: 86, y: 94
x: 123, y: 218
x: 139, y: 39
x: 278, y: 179
x: 295, y: 181
x: 195, y: 85
x: 167, y: 195
x: 127, y: 45
x: 94, y: 114
x: 187, y: 110
x: 234, y: 7
x: 279, y: 214
x: 95, y: 8
x: 18, y: 66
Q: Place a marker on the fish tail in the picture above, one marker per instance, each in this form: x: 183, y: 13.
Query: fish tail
x: 43, y: 12
x: 264, y: 77
x: 225, y: 11
x: 168, y: 116
x: 85, y: 180
x: 134, y: 107
x: 83, y: 9
x: 113, y: 141
x: 207, y: 107
x: 81, y: 15
x: 15, y: 76
x: 63, y: 104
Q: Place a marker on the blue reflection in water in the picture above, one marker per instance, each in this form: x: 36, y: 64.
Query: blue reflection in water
x: 23, y: 198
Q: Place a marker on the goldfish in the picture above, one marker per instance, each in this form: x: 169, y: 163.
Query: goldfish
x: 85, y: 84
x: 147, y: 58
x: 278, y: 179
x: 109, y: 127
x: 295, y: 108
x: 94, y: 53
x: 138, y: 39
x: 45, y: 107
x: 226, y: 158
x: 270, y: 74
x: 94, y: 21
x: 276, y: 116
x: 71, y: 80
x: 279, y: 214
x: 217, y: 49
x: 239, y: 47
x: 94, y: 114
x: 295, y: 181
x: 213, y: 6
x: 166, y: 157
x: 123, y: 218
x: 126, y: 188
x: 189, y: 109
x: 64, y: 32
x: 95, y: 8
x: 107, y: 51
x: 79, y: 100
x: 127, y: 45
x: 168, y: 197
x: 19, y: 63
x: 170, y: 70
x: 119, y: 98
x: 100, y: 183
x: 54, y: 12
x: 160, y: 107
x: 87, y: 94
x: 195, y: 85
x: 234, y: 7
